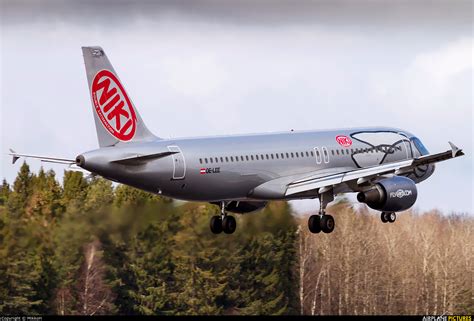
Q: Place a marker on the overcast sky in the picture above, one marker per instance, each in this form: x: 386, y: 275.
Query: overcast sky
x: 211, y: 68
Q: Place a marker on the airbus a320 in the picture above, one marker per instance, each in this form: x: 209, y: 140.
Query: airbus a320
x: 242, y: 173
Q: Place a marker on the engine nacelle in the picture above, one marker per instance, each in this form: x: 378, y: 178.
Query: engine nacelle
x: 390, y: 195
x: 244, y: 207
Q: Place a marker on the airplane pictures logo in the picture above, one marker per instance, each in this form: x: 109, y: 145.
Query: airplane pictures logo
x: 343, y: 140
x: 400, y: 193
x: 215, y: 170
x: 113, y: 106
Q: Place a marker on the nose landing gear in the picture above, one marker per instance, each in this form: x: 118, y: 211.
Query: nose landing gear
x: 388, y: 217
x: 322, y: 222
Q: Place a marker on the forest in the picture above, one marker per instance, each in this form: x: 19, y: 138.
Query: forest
x: 86, y: 247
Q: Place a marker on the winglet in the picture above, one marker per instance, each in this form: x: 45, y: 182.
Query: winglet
x: 14, y: 155
x: 455, y: 150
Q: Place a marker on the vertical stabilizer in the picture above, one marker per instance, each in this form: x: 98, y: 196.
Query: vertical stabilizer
x: 116, y: 118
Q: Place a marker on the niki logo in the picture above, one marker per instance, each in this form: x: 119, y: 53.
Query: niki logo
x: 343, y: 140
x: 400, y: 193
x: 113, y: 106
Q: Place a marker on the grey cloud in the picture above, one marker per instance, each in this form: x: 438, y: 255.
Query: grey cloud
x: 400, y: 14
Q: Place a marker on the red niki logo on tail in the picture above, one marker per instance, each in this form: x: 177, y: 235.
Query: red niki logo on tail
x: 343, y: 140
x: 113, y: 106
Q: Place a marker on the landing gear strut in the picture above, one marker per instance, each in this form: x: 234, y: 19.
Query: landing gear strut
x: 223, y: 222
x: 389, y: 217
x: 322, y: 222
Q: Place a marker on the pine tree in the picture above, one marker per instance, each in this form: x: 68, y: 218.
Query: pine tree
x: 267, y: 282
x: 22, y: 190
x: 152, y: 267
x: 45, y: 204
x: 75, y: 189
x: 201, y: 281
x: 4, y: 192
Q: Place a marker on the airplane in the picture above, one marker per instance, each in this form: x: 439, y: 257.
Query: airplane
x: 242, y: 173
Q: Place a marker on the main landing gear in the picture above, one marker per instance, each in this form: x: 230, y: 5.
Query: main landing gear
x: 223, y: 222
x: 388, y: 217
x: 322, y: 222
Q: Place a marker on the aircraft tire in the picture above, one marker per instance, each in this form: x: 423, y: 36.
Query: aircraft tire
x: 216, y: 224
x: 314, y: 224
x: 391, y: 217
x: 384, y: 217
x: 327, y: 223
x: 229, y: 224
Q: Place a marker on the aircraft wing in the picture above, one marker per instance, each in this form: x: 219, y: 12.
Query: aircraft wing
x: 362, y: 175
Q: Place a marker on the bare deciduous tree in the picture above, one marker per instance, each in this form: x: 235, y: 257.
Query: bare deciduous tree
x: 422, y: 264
x: 93, y: 294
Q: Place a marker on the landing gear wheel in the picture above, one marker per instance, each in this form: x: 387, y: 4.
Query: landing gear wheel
x: 391, y: 217
x: 314, y: 224
x: 327, y: 223
x: 229, y: 224
x: 384, y: 217
x: 216, y: 224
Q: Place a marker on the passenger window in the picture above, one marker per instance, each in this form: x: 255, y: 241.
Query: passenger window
x: 276, y: 155
x: 231, y: 159
x: 217, y: 160
x: 242, y: 158
x: 292, y: 155
x: 272, y: 156
x: 226, y: 159
x: 282, y: 156
x: 261, y: 156
x: 307, y: 154
x: 267, y: 156
x: 236, y: 158
x: 212, y: 161
x: 287, y: 155
x: 251, y: 157
x: 337, y: 151
x: 205, y: 159
x: 200, y: 160
x: 296, y: 154
x: 247, y: 157
x: 256, y: 157
x: 222, y: 160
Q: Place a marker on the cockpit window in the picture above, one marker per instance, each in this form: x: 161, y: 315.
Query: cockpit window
x: 419, y: 145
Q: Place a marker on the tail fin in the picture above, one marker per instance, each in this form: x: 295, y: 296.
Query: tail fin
x: 116, y: 118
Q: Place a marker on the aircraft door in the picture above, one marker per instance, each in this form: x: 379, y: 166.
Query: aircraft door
x: 179, y: 164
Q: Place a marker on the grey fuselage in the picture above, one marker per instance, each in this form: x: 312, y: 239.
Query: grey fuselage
x: 232, y: 167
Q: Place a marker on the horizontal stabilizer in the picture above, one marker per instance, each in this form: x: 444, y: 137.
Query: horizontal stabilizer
x: 16, y: 156
x: 141, y: 159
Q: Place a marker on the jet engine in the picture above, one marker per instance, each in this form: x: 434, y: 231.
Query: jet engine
x: 390, y: 195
